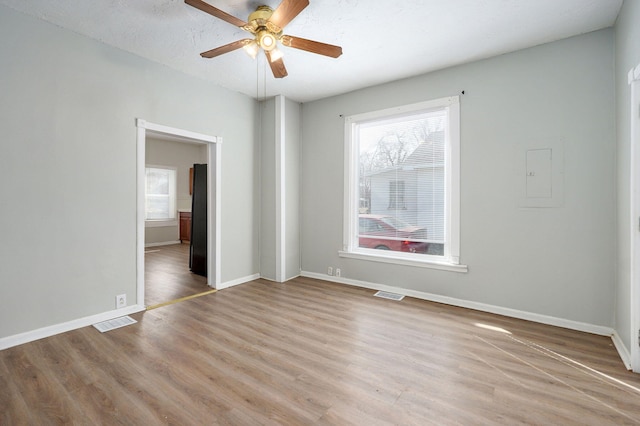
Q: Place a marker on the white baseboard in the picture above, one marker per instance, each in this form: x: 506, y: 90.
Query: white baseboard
x: 30, y: 336
x: 163, y: 243
x: 273, y: 280
x: 622, y: 350
x: 507, y: 312
x: 237, y: 281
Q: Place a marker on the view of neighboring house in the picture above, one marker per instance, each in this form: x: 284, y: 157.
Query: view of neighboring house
x: 394, y: 190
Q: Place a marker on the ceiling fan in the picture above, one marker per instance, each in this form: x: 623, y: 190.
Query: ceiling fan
x: 266, y: 25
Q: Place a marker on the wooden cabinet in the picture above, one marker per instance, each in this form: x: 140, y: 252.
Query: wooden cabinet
x: 185, y: 226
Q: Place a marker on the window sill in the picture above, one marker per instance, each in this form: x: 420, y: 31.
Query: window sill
x: 160, y: 223
x: 430, y: 264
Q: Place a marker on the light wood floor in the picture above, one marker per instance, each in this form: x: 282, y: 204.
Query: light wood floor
x: 167, y: 276
x: 312, y: 352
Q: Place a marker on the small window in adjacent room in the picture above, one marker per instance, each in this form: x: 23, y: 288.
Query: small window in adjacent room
x: 160, y: 196
x: 402, y: 173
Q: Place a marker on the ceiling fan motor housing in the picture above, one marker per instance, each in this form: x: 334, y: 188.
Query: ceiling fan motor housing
x: 266, y: 32
x: 261, y: 15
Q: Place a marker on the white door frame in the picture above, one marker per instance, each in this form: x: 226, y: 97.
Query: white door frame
x: 634, y: 83
x: 214, y: 150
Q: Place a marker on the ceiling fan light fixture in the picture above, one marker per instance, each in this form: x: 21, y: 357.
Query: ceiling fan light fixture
x: 252, y: 49
x: 266, y: 40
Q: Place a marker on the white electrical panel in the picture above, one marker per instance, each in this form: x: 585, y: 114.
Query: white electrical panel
x: 541, y: 175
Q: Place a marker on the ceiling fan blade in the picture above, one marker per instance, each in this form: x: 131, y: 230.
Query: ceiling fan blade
x: 287, y: 10
x: 277, y: 67
x: 206, y: 7
x: 312, y: 46
x: 226, y: 48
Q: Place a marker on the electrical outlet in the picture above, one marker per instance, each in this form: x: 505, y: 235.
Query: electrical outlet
x: 338, y: 272
x: 121, y: 301
x: 329, y: 270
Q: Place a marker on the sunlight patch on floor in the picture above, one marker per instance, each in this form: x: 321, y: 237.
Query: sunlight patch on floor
x: 492, y: 328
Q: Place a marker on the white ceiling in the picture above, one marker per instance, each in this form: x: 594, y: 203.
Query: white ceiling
x: 382, y: 40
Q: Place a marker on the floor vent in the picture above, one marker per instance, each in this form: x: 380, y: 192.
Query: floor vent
x: 390, y: 296
x: 114, y: 323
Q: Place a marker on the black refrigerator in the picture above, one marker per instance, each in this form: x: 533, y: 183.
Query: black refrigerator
x: 198, y: 248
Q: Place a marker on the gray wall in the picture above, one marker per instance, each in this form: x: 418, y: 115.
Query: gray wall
x: 68, y: 169
x: 558, y: 262
x: 182, y: 156
x: 627, y: 57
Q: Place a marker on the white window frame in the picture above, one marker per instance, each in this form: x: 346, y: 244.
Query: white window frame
x: 157, y: 223
x: 451, y: 259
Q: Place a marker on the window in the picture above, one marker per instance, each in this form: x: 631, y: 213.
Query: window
x: 160, y: 196
x: 396, y: 195
x: 402, y: 177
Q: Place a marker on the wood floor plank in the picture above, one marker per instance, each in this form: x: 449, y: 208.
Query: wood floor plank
x: 167, y: 275
x: 313, y: 352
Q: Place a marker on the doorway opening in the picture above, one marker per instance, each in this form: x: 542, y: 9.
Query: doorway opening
x: 212, y: 147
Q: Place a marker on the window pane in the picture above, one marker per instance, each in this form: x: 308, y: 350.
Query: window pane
x: 160, y: 197
x: 157, y: 181
x: 157, y: 207
x: 401, y: 183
